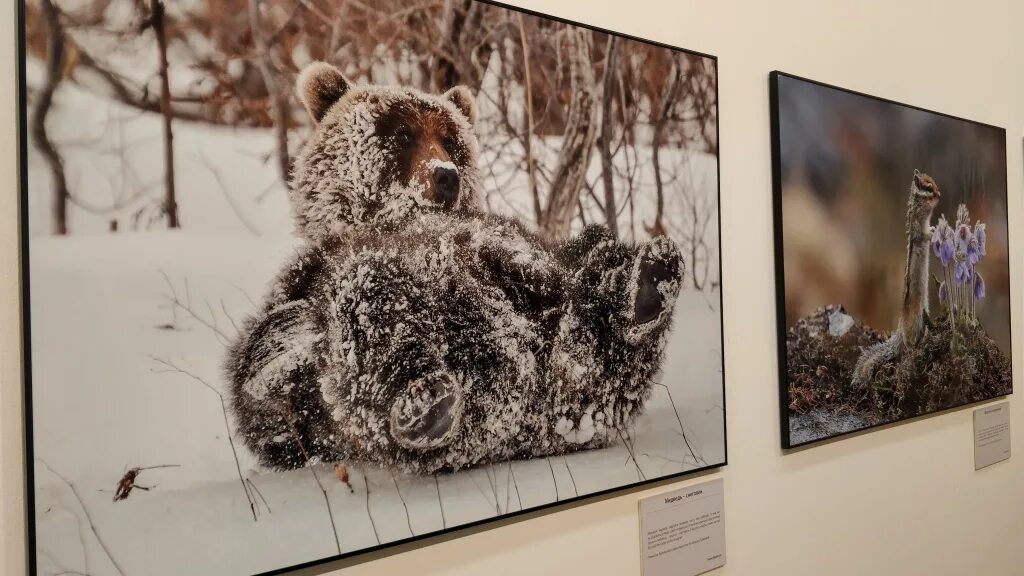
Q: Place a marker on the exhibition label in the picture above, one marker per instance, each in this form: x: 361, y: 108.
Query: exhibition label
x: 991, y: 435
x: 682, y: 532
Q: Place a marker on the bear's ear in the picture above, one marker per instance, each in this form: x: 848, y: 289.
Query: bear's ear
x: 320, y: 85
x: 463, y: 100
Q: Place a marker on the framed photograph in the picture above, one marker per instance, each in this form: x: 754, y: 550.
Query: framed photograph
x: 308, y: 279
x: 891, y: 260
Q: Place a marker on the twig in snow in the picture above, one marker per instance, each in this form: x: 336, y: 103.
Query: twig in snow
x: 341, y: 473
x: 516, y: 484
x: 246, y: 294
x: 224, y: 308
x: 473, y: 476
x: 492, y: 478
x: 186, y: 306
x: 127, y: 482
x: 440, y: 503
x: 629, y: 449
x: 204, y: 159
x: 553, y: 481
x: 408, y: 520
x: 569, y: 470
x: 508, y: 487
x: 255, y: 490
x: 309, y: 466
x: 682, y: 430
x: 174, y: 368
x: 682, y: 462
x: 81, y: 541
x: 366, y: 482
x: 85, y: 511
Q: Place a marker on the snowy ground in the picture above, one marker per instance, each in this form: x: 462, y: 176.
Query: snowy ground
x: 103, y: 334
x: 104, y: 403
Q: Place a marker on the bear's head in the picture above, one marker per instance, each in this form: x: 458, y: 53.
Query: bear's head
x: 379, y: 154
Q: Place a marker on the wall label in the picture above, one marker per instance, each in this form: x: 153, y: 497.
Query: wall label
x: 991, y: 434
x: 682, y: 533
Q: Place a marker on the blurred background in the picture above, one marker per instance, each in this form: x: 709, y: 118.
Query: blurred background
x: 847, y: 165
x: 146, y: 115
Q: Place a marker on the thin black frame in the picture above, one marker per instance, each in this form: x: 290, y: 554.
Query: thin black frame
x: 780, y: 277
x: 26, y: 323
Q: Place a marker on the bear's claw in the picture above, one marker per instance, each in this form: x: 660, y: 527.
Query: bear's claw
x: 428, y: 413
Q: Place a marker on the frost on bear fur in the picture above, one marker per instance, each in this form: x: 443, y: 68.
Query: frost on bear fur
x: 415, y: 332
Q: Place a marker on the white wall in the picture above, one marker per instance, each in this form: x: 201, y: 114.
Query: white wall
x: 904, y: 500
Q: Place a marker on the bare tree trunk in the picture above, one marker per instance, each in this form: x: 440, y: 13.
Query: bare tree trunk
x: 527, y: 147
x: 667, y: 99
x: 54, y: 72
x: 446, y: 73
x: 277, y: 96
x: 580, y: 135
x: 463, y: 39
x: 170, y: 201
x: 611, y: 62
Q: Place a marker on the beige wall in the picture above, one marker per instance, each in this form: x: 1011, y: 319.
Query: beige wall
x: 904, y: 500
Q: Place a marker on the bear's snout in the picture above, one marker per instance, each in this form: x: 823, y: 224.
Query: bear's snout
x: 446, y: 184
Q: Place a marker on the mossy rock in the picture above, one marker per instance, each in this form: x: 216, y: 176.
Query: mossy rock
x: 947, y: 368
x: 821, y: 351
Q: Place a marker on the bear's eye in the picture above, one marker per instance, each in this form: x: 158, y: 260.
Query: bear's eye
x: 451, y: 145
x: 403, y: 137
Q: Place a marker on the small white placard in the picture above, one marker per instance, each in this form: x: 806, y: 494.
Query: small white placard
x: 991, y: 434
x: 682, y: 532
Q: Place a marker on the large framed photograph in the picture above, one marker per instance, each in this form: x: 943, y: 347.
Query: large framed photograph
x: 308, y: 278
x: 892, y: 260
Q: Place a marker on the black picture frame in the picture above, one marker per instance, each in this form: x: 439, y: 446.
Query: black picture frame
x: 787, y: 442
x: 463, y: 529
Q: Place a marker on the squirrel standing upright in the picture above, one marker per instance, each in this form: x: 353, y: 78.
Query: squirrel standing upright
x: 924, y: 196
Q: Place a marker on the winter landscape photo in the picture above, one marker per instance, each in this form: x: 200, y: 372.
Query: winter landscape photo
x: 894, y: 260
x: 312, y: 277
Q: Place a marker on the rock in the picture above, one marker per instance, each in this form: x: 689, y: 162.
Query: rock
x: 839, y: 323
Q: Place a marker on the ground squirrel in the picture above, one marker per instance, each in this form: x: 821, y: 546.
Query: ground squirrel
x: 924, y: 195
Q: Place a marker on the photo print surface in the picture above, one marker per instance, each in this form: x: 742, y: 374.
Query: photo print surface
x: 309, y: 278
x: 892, y: 260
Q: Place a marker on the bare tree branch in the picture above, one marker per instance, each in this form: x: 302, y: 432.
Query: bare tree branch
x: 169, y: 366
x: 611, y: 63
x: 85, y: 511
x: 579, y: 137
x: 54, y: 74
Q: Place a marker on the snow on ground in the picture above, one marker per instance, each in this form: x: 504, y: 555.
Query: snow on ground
x: 103, y: 403
x: 104, y: 332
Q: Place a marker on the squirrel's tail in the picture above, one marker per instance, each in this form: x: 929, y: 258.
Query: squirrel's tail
x: 873, y: 356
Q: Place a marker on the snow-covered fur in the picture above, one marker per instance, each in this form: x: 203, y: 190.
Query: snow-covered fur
x: 449, y: 340
x: 415, y: 332
x: 379, y: 153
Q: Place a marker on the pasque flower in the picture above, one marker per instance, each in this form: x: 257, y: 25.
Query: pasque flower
x: 979, y: 234
x: 961, y: 273
x: 979, y: 286
x: 960, y: 249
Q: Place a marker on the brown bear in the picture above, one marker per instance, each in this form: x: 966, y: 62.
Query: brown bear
x: 380, y: 153
x: 415, y: 332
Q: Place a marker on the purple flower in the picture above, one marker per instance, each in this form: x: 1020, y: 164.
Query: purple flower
x: 943, y: 293
x: 961, y: 273
x: 979, y: 234
x: 973, y: 252
x: 945, y: 252
x: 979, y: 286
